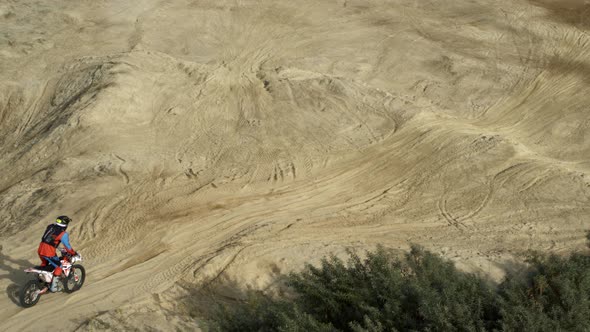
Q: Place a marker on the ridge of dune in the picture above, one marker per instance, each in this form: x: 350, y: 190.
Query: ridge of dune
x: 206, y: 147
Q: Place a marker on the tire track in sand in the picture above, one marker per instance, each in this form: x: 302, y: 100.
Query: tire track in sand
x: 120, y: 168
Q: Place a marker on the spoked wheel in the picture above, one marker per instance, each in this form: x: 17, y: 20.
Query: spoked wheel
x: 75, y: 280
x: 29, y: 294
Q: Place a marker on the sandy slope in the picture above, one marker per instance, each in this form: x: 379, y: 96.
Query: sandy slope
x: 225, y: 142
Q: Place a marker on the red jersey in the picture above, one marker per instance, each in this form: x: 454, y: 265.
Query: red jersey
x: 50, y: 240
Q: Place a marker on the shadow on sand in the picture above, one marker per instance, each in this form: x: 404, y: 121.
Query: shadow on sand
x: 12, y: 269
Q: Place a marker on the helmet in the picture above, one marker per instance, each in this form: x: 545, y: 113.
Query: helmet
x: 63, y: 221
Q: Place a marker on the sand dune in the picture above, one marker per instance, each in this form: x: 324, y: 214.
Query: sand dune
x: 200, y: 143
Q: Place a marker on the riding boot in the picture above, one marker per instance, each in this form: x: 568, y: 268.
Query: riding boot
x: 54, y: 282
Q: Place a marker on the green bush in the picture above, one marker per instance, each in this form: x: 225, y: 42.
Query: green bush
x: 419, y: 292
x: 555, y: 296
x: 379, y: 293
x: 260, y: 313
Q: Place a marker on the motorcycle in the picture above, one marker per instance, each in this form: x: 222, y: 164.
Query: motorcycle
x: 71, y: 280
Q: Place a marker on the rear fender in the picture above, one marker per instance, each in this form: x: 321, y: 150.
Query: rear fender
x: 43, y: 275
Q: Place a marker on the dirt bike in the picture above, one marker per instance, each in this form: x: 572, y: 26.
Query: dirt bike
x: 71, y: 280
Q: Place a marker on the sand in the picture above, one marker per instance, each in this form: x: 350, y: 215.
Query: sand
x: 203, y: 147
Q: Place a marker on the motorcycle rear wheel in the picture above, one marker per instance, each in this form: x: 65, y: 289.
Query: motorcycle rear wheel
x: 29, y: 293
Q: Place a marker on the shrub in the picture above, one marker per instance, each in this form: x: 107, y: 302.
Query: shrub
x: 260, y: 313
x: 379, y: 293
x: 555, y: 296
x: 420, y: 292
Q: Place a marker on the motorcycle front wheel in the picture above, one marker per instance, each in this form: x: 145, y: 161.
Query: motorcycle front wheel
x: 29, y: 293
x: 76, y: 279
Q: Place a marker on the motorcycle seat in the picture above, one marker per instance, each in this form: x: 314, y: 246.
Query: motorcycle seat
x: 44, y: 268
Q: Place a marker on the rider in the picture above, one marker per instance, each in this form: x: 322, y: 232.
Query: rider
x: 53, y: 236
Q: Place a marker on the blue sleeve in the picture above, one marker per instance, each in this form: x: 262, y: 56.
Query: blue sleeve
x: 65, y: 239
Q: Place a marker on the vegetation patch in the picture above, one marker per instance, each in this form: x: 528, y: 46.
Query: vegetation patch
x: 418, y: 292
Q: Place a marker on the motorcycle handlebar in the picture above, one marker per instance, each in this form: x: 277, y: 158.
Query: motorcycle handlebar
x: 66, y: 254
